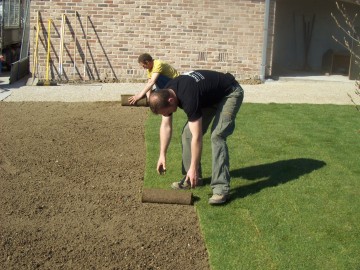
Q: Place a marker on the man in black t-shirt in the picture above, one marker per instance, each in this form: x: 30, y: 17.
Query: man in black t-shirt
x: 204, y: 96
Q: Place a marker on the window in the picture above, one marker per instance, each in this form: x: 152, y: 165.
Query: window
x: 11, y: 12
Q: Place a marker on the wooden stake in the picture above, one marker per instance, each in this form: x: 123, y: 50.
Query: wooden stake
x: 62, y: 33
x: 48, y: 53
x: 74, y: 69
x: 36, y: 47
x: 86, y: 42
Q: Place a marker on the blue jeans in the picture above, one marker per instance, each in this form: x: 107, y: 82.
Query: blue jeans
x: 222, y: 116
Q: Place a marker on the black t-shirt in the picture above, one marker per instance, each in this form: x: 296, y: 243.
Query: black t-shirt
x: 198, y: 89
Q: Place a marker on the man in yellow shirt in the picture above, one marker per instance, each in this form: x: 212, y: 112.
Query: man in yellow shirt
x: 158, y: 74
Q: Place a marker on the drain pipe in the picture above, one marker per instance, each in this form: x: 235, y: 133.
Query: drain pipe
x: 265, y: 40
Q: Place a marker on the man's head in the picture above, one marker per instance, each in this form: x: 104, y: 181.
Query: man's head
x: 163, y: 102
x: 146, y: 61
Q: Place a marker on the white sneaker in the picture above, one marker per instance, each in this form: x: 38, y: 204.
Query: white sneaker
x: 217, y: 199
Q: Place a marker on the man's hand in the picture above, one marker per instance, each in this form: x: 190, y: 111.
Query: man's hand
x: 192, y: 177
x: 161, y: 166
x: 165, y: 137
x: 196, y: 146
x: 134, y: 99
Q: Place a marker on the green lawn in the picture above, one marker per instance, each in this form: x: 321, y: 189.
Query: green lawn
x: 295, y: 195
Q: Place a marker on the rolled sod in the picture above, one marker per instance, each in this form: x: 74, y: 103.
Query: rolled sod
x: 141, y: 103
x: 166, y: 196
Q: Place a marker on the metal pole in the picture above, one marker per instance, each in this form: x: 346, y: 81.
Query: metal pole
x: 265, y: 40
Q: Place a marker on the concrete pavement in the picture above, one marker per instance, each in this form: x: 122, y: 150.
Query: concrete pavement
x: 290, y: 90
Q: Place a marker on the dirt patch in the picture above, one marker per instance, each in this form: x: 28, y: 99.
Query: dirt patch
x: 70, y: 193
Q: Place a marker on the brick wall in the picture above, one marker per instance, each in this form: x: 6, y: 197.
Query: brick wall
x: 219, y: 35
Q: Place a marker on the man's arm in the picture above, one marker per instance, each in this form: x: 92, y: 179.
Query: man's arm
x: 165, y: 138
x: 196, y: 148
x: 148, y: 87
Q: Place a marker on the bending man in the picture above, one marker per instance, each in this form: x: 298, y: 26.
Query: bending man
x: 204, y: 96
x: 158, y: 73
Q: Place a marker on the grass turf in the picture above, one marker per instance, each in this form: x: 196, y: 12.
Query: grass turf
x: 295, y: 195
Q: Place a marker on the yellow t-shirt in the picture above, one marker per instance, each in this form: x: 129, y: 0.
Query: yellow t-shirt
x: 164, y: 69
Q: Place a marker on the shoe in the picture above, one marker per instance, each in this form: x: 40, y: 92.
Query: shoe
x: 185, y: 184
x: 217, y: 199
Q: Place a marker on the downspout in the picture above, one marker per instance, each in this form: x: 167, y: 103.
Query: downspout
x: 265, y: 40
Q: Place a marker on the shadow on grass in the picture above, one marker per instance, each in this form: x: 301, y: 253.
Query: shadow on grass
x: 275, y: 173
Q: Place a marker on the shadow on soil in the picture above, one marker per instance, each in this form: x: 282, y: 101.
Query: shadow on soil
x: 273, y: 174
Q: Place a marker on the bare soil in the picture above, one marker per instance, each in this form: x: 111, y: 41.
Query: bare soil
x: 70, y: 193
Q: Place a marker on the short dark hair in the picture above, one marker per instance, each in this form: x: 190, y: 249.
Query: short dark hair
x: 145, y: 57
x: 159, y: 100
